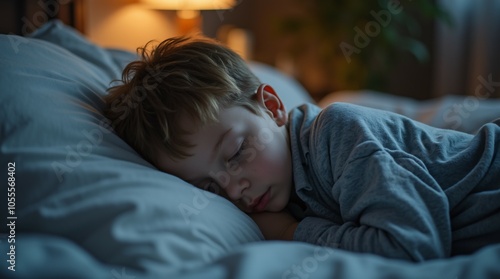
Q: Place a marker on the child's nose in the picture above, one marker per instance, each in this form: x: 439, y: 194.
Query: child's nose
x: 236, y: 188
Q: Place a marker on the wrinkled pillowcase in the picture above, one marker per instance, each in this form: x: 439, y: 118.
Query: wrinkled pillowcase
x: 76, y: 179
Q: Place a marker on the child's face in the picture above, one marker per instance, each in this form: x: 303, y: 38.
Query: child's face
x: 244, y: 157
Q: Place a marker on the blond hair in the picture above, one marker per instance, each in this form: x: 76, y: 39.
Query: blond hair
x: 196, y: 75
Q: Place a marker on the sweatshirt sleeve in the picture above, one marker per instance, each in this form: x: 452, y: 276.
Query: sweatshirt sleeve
x: 388, y: 202
x: 389, y: 206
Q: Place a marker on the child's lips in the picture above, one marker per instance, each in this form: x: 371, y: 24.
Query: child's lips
x: 261, y: 202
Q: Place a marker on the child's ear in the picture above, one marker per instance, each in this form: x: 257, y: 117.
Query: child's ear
x: 271, y: 102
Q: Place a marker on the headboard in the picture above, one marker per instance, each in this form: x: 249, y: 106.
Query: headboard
x: 22, y: 17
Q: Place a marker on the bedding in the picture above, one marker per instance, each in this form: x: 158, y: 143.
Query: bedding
x: 76, y: 179
x: 86, y: 205
x: 462, y: 113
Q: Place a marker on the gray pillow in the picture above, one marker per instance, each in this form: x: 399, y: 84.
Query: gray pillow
x: 76, y: 179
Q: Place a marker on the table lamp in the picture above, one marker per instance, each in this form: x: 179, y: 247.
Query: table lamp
x: 188, y: 11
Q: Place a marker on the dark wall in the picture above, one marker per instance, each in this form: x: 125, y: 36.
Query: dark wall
x: 409, y: 77
x: 22, y: 17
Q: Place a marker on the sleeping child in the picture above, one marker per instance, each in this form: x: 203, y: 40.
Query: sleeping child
x: 347, y: 176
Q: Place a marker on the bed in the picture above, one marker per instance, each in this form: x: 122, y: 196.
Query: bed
x: 86, y: 205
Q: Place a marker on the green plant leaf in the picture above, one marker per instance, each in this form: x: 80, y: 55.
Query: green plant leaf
x: 415, y: 47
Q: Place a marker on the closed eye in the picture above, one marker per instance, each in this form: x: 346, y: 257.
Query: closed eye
x: 237, y: 156
x: 212, y: 187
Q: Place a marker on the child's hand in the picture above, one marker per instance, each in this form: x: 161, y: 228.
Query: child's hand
x: 275, y: 225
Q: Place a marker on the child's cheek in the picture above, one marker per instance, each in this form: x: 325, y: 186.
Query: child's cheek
x: 266, y: 163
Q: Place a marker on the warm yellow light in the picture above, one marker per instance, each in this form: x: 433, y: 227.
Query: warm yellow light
x: 179, y: 5
x: 188, y: 14
x: 189, y: 18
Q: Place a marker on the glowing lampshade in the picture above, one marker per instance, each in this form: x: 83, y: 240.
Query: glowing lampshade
x: 188, y: 11
x: 192, y: 5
